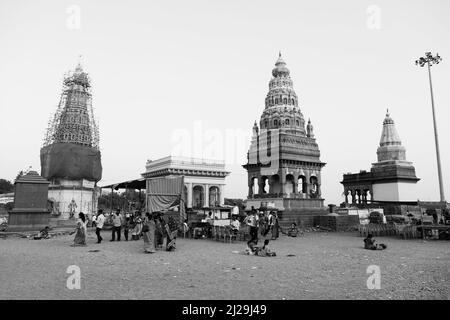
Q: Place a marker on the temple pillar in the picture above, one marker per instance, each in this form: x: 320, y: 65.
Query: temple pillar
x: 261, y: 186
x: 283, y: 182
x: 270, y: 185
x: 221, y: 196
x: 189, y: 195
x: 206, y: 200
x: 295, y: 185
x: 353, y: 194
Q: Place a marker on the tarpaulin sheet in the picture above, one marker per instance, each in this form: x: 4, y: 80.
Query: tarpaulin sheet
x: 71, y: 161
x: 163, y: 193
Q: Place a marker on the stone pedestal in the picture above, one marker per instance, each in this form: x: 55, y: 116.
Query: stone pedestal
x: 30, y: 211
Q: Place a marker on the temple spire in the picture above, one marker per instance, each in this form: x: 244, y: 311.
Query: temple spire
x: 309, y: 129
x: 390, y: 144
x: 79, y: 67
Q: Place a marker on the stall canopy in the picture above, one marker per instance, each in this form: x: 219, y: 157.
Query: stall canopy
x: 131, y: 184
x: 163, y: 193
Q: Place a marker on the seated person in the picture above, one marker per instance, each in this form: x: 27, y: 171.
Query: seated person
x: 265, y: 251
x: 369, y: 243
x: 43, y: 234
x: 252, y: 248
x: 293, y: 230
x: 235, y: 225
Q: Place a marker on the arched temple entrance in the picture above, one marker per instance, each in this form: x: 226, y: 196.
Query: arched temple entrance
x: 301, y: 184
x: 214, y: 196
x: 275, y: 185
x: 290, y: 184
x: 314, y: 191
x: 197, y: 197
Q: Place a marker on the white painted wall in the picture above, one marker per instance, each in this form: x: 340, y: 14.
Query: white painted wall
x: 395, y: 191
x: 83, y: 199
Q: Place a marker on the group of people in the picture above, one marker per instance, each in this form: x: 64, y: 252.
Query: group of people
x: 262, y: 224
x: 157, y: 233
x: 150, y: 226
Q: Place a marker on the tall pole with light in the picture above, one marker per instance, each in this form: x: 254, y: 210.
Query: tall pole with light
x: 430, y: 60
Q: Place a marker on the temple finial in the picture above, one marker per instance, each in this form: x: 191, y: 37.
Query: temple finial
x: 279, y: 54
x: 79, y: 67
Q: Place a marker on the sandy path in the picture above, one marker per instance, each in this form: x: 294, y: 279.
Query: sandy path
x: 325, y: 266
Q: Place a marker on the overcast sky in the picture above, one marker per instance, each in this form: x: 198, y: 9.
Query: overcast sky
x: 191, y: 77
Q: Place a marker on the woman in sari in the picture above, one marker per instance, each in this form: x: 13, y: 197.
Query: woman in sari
x: 137, y: 221
x: 80, y: 231
x: 148, y: 232
x: 159, y: 232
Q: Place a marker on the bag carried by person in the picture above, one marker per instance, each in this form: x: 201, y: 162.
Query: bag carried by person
x: 145, y: 228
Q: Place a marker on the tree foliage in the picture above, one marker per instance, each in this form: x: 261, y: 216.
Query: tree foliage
x: 6, y: 186
x: 129, y: 200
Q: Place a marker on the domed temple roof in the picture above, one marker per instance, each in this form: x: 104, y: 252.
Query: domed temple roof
x: 280, y: 68
x: 281, y: 103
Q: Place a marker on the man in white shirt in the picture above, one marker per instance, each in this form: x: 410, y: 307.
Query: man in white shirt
x: 252, y: 222
x: 94, y: 218
x: 117, y: 225
x: 99, y: 222
x: 235, y: 224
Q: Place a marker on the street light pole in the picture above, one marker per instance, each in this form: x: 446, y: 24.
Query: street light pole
x: 429, y: 60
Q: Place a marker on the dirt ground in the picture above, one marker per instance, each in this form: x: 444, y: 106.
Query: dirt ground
x: 312, y: 266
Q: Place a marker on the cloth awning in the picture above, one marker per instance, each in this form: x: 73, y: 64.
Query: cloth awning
x: 163, y: 193
x: 130, y: 184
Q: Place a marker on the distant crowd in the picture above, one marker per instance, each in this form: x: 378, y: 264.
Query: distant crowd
x: 151, y: 227
x: 159, y: 232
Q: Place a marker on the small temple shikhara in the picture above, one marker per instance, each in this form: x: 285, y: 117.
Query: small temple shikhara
x: 391, y: 180
x: 284, y: 167
x: 70, y: 156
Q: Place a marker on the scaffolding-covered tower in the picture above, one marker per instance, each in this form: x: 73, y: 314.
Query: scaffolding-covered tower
x: 70, y: 156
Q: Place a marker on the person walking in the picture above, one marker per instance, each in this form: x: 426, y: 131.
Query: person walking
x: 126, y: 226
x: 94, y: 221
x: 252, y: 222
x: 271, y: 221
x: 159, y: 232
x: 117, y: 225
x: 276, y: 227
x: 99, y: 222
x: 80, y: 232
x: 137, y: 226
x: 148, y: 231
